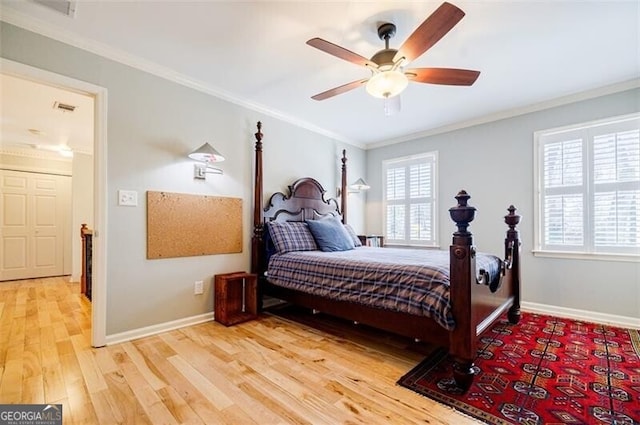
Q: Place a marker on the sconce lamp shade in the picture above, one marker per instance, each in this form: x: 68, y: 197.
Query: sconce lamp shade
x: 206, y: 153
x: 359, y: 184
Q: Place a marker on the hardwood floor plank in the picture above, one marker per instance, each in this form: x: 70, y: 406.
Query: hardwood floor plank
x: 151, y: 376
x: 32, y: 365
x: 33, y: 390
x: 103, y: 359
x: 102, y: 408
x: 54, y: 388
x: 11, y: 384
x: 124, y: 405
x: 155, y: 410
x: 81, y: 407
x: 179, y: 408
x: 208, y: 389
x: 70, y: 368
x: 91, y: 374
x: 290, y: 403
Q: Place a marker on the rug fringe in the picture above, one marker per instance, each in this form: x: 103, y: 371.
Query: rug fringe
x: 452, y: 408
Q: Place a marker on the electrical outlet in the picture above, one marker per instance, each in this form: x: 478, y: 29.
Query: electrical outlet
x: 128, y: 198
x: 198, y: 288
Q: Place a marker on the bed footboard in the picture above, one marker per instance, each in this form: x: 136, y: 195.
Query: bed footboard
x: 476, y: 303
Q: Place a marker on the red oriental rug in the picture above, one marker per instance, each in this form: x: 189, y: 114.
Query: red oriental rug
x: 544, y: 370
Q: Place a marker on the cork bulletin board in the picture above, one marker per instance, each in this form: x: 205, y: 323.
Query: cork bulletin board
x: 183, y: 225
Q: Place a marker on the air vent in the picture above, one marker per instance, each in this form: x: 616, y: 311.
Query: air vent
x: 66, y: 7
x: 64, y: 107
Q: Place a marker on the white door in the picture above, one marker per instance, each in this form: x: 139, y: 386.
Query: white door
x: 33, y: 211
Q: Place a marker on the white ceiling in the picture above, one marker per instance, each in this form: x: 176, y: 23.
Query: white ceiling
x: 29, y: 118
x: 254, y: 53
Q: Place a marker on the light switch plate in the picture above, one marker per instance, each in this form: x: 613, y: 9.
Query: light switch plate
x: 128, y: 198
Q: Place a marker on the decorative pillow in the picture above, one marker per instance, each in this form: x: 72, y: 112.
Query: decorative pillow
x: 291, y: 236
x: 352, y: 233
x: 330, y: 234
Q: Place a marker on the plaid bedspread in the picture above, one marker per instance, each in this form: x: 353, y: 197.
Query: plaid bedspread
x: 405, y: 280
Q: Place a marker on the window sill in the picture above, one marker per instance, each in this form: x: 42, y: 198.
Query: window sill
x: 574, y: 255
x: 392, y: 245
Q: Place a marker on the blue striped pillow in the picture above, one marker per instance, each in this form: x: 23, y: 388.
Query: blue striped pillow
x: 291, y: 236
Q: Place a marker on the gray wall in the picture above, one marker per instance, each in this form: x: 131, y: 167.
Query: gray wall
x: 152, y: 124
x: 494, y: 163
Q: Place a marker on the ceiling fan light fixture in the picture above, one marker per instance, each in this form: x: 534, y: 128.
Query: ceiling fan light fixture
x: 386, y: 84
x: 387, y: 65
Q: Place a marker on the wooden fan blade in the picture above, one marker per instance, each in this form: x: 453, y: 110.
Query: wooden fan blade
x: 430, y: 32
x: 446, y: 76
x: 340, y: 52
x: 339, y: 90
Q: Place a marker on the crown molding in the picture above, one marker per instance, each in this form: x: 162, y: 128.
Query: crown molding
x: 33, y: 153
x: 510, y: 113
x: 54, y: 32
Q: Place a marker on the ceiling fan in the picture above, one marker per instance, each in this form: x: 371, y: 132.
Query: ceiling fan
x: 388, y: 76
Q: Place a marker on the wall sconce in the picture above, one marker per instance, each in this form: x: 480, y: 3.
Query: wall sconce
x: 206, y: 154
x: 355, y: 187
x: 359, y: 185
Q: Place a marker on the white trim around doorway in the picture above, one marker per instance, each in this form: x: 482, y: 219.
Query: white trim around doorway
x: 99, y: 287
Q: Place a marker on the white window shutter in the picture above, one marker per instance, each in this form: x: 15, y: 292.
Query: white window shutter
x: 590, y: 187
x: 409, y: 198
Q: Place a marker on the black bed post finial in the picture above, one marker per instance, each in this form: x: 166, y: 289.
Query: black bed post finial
x: 462, y: 214
x: 259, y: 136
x: 343, y: 187
x: 512, y: 220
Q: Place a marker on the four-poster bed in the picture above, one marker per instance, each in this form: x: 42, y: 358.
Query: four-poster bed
x: 475, y: 303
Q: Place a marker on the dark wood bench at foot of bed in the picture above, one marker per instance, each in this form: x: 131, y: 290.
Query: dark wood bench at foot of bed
x: 476, y: 303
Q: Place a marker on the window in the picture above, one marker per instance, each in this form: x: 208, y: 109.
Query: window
x: 588, y: 185
x: 410, y: 200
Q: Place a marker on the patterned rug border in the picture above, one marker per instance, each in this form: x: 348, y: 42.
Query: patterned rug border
x: 439, y: 355
x: 424, y: 367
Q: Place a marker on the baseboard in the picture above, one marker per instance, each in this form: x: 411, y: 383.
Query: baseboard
x: 587, y: 316
x: 159, y: 328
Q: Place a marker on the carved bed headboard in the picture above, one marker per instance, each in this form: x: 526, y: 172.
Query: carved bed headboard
x: 305, y: 201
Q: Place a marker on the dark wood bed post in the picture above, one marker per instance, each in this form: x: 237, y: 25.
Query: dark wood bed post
x: 343, y: 187
x: 462, y: 263
x: 258, y: 228
x: 512, y: 248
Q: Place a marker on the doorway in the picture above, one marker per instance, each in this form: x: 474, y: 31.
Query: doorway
x: 99, y: 96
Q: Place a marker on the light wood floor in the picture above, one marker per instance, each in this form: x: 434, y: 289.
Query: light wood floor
x: 267, y: 371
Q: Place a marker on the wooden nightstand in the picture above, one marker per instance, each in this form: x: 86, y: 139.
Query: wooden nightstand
x: 372, y: 240
x: 235, y: 297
